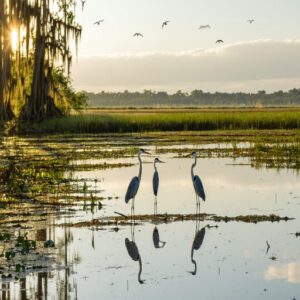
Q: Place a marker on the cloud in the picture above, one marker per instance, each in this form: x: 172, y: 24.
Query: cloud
x: 244, y: 66
x: 289, y: 272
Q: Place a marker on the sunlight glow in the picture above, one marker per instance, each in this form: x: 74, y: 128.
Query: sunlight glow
x: 14, y: 40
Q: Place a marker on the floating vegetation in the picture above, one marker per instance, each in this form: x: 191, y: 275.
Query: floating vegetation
x: 42, y: 168
x: 20, y: 255
x: 123, y: 220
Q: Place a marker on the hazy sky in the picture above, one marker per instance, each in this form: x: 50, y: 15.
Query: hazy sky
x: 262, y: 55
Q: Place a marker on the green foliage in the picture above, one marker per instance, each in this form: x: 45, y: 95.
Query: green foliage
x: 65, y: 96
x: 150, y: 98
x: 147, y: 122
x: 5, y: 237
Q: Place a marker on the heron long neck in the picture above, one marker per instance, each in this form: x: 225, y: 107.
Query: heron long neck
x: 140, y: 171
x: 155, y: 166
x: 193, y: 261
x: 193, y: 166
x: 140, y: 271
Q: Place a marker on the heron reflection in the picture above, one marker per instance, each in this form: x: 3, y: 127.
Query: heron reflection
x: 134, y: 253
x: 198, y: 240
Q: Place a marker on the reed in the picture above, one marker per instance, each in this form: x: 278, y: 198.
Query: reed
x: 176, y: 121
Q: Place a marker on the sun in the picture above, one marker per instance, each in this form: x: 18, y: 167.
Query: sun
x: 14, y: 39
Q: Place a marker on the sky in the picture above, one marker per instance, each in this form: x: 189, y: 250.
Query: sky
x: 262, y: 55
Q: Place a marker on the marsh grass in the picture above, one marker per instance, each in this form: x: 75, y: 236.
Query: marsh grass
x: 176, y: 121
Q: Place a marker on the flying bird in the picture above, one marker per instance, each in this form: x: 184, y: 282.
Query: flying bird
x: 165, y: 23
x: 251, y: 21
x: 204, y: 27
x: 134, y: 184
x: 198, y: 186
x: 138, y: 34
x: 219, y: 41
x: 82, y: 4
x: 98, y: 22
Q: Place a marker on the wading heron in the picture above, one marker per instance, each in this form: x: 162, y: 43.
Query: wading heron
x: 198, y: 186
x: 155, y: 180
x: 134, y: 184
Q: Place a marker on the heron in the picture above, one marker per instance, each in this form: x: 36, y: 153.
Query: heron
x: 155, y: 181
x: 198, y: 186
x: 133, y: 252
x: 138, y: 34
x: 98, y: 22
x: 250, y: 21
x: 82, y: 4
x: 156, y: 240
x: 134, y: 184
x: 165, y: 23
x: 204, y: 27
x: 219, y: 41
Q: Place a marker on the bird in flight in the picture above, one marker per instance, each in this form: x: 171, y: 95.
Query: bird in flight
x: 165, y: 23
x: 251, y: 21
x: 98, y: 22
x: 82, y: 4
x: 219, y: 41
x: 204, y: 27
x: 138, y: 34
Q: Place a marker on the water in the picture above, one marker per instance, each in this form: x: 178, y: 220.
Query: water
x: 232, y: 262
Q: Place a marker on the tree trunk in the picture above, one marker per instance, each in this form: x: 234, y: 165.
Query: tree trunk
x: 2, y: 73
x: 40, y: 105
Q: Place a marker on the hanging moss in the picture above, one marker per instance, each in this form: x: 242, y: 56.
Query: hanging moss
x: 26, y: 78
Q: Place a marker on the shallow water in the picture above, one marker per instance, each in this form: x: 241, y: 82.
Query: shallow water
x: 231, y: 263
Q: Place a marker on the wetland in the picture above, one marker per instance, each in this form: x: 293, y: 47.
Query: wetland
x: 65, y: 229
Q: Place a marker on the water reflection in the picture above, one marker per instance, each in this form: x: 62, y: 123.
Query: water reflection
x: 198, y: 239
x: 133, y: 252
x: 155, y: 235
x: 156, y: 239
x: 289, y: 272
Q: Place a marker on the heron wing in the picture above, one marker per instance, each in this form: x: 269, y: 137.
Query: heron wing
x: 132, y: 189
x: 155, y: 183
x: 199, y: 187
x: 132, y: 249
x: 198, y: 240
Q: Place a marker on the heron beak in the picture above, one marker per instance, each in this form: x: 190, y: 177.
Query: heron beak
x: 162, y: 162
x: 147, y: 152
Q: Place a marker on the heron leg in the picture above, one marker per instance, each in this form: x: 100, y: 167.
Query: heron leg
x: 155, y: 206
x: 197, y: 204
x: 133, y: 209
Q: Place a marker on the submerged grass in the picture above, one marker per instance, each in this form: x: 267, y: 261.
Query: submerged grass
x: 169, y: 218
x: 175, y: 121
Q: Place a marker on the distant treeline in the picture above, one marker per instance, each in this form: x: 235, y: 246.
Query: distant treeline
x: 150, y: 98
